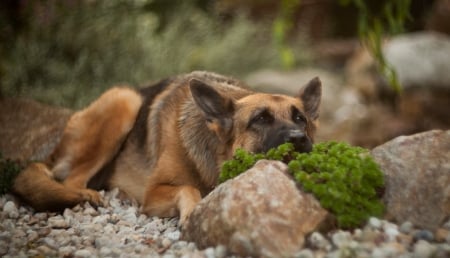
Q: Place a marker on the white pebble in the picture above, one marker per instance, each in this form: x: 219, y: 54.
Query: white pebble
x: 66, y: 251
x: 11, y: 210
x: 221, y: 251
x: 83, y: 253
x: 166, y: 243
x: 341, y: 238
x: 57, y: 222
x: 391, y: 233
x: 305, y: 253
x: 105, y: 251
x: 374, y: 223
x: 318, y: 241
x: 423, y: 249
x: 174, y: 236
x: 209, y: 252
x: 406, y: 227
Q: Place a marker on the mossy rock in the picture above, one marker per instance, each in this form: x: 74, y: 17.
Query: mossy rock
x: 345, y: 179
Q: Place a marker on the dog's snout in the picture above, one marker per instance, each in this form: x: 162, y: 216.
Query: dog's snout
x: 299, y: 139
x: 295, y: 135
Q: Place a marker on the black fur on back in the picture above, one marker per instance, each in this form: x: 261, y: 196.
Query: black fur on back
x: 139, y: 131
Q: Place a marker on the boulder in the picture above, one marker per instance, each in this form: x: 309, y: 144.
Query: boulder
x: 421, y: 59
x: 260, y: 213
x: 417, y: 177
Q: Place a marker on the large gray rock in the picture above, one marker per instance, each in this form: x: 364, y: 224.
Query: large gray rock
x: 260, y: 213
x: 420, y: 59
x: 417, y: 175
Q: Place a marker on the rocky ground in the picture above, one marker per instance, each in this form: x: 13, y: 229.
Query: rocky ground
x: 118, y: 230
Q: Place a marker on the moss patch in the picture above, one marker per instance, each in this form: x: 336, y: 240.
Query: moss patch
x: 344, y: 178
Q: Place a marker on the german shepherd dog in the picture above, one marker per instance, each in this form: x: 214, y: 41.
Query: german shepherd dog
x: 164, y: 145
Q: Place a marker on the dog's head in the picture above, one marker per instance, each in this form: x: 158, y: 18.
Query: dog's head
x: 260, y: 121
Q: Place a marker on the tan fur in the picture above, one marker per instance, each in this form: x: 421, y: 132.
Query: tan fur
x: 164, y: 146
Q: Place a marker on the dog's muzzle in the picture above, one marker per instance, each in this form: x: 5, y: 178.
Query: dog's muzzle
x: 300, y: 140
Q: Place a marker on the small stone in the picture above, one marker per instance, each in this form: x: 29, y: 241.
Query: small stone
x: 220, y: 251
x: 45, y: 250
x: 32, y: 236
x: 406, y: 227
x: 391, y: 233
x: 442, y: 234
x: 374, y: 223
x: 90, y: 211
x: 50, y: 242
x: 318, y: 241
x: 447, y: 225
x: 57, y: 222
x: 304, y: 253
x: 423, y: 249
x: 41, y: 216
x: 11, y: 210
x: 83, y: 253
x: 42, y: 232
x: 341, y: 238
x: 105, y: 251
x: 101, y: 219
x: 405, y: 240
x: 66, y: 251
x: 209, y: 252
x: 424, y: 235
x: 3, y: 248
x: 103, y: 241
x: 130, y: 217
x: 166, y: 243
x: 174, y: 236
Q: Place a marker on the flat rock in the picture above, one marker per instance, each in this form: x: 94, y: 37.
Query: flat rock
x: 417, y: 176
x: 260, y: 213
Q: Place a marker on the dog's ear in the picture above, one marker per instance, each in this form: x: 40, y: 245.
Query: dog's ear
x: 310, y: 95
x: 217, y: 109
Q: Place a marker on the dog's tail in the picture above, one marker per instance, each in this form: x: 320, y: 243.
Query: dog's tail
x: 35, y: 186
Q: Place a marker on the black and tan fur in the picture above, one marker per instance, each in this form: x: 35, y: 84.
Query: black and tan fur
x: 163, y: 145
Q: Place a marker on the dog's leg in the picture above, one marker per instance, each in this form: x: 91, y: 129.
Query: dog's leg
x: 36, y: 186
x: 94, y: 135
x: 91, y: 138
x: 169, y: 201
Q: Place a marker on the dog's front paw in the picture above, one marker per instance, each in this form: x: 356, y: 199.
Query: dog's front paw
x: 91, y: 196
x: 183, y: 219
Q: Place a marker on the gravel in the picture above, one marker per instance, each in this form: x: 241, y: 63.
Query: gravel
x: 119, y: 230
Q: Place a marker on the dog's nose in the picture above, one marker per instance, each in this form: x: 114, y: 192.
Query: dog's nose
x: 295, y: 135
x: 299, y: 139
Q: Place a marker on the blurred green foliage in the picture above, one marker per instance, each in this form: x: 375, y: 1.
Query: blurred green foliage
x: 8, y: 171
x: 376, y: 23
x: 282, y: 25
x: 70, y: 51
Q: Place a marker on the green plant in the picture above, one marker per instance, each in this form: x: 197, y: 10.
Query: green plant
x: 8, y: 171
x: 373, y: 26
x: 282, y: 24
x: 343, y: 178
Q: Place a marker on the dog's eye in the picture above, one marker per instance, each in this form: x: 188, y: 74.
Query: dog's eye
x: 298, y: 118
x: 262, y: 118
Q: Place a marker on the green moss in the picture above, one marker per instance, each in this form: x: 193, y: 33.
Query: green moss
x: 345, y: 179
x: 8, y: 171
